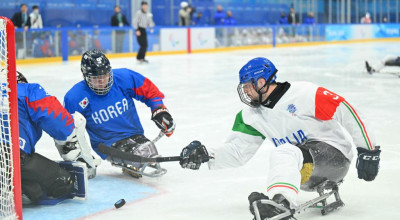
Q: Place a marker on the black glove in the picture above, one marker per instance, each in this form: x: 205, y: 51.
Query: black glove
x: 368, y: 163
x: 193, y: 155
x: 163, y: 120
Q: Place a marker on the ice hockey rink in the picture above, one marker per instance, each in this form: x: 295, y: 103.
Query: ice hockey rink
x: 200, y: 91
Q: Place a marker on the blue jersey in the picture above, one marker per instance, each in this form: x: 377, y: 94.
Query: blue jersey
x: 112, y: 117
x: 38, y: 111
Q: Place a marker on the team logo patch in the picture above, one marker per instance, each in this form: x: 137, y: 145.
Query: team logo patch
x: 292, y: 109
x: 84, y: 102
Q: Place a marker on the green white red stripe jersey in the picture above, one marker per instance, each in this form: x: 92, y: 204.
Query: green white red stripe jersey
x: 306, y: 112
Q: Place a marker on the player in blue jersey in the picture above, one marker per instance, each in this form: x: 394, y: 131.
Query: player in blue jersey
x: 37, y: 112
x: 105, y: 98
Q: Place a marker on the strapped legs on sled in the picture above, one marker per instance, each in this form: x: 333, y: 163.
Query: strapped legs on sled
x: 329, y: 168
x: 141, y: 146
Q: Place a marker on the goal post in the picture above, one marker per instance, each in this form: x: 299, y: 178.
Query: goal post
x: 10, y: 180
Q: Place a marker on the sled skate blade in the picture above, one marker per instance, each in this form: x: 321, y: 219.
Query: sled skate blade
x: 321, y: 201
x: 331, y: 207
x: 131, y: 173
x: 156, y: 170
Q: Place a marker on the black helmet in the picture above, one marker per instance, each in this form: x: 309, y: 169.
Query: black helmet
x: 95, y: 64
x: 21, y: 78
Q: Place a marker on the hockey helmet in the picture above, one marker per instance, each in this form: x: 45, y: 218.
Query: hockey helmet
x: 97, y: 72
x: 257, y: 68
x: 21, y: 78
x: 253, y: 70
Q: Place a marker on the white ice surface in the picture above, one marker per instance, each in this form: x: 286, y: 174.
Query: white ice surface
x: 200, y: 91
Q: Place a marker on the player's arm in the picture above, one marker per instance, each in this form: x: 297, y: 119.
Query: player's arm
x: 48, y: 113
x: 147, y: 92
x: 330, y: 106
x: 240, y: 147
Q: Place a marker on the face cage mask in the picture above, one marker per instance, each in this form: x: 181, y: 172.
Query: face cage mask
x: 95, y: 88
x: 245, y: 98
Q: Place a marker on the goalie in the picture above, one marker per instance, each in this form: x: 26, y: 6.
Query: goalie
x: 304, y: 122
x: 41, y: 178
x: 106, y: 99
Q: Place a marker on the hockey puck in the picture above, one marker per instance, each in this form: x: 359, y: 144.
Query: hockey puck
x: 119, y: 203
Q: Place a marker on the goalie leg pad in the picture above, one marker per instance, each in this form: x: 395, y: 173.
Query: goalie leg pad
x: 80, y: 178
x: 329, y: 164
x: 53, y: 180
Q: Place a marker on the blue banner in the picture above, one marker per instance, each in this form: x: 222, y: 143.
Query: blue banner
x: 360, y: 31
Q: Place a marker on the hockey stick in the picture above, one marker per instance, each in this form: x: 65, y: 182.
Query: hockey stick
x: 113, y: 152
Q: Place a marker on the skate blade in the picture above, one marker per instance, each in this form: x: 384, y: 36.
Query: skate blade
x: 131, y: 173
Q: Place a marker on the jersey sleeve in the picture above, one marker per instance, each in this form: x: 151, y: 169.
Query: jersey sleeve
x: 240, y: 147
x: 48, y: 113
x: 330, y: 106
x: 146, y: 91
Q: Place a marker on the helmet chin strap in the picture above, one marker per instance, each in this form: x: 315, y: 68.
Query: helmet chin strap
x: 267, y: 101
x: 267, y: 84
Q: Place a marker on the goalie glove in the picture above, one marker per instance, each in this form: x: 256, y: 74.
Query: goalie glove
x: 76, y: 147
x: 163, y: 120
x: 68, y: 149
x: 193, y: 155
x: 368, y: 163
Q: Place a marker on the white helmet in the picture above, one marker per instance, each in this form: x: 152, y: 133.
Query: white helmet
x: 184, y: 4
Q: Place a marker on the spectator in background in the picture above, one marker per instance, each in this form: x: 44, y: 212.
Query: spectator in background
x: 184, y: 14
x: 229, y: 19
x: 283, y: 19
x: 293, y: 18
x: 36, y: 18
x: 141, y: 21
x: 119, y: 20
x: 21, y: 18
x: 219, y: 16
x: 366, y: 19
x: 310, y: 18
x: 197, y: 20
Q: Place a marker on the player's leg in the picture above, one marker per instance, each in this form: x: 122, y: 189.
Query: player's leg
x: 283, y: 181
x: 392, y: 61
x: 284, y: 177
x: 141, y: 146
x: 37, y: 170
x: 137, y: 145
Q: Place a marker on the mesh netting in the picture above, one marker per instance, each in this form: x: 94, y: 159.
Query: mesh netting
x: 7, y: 208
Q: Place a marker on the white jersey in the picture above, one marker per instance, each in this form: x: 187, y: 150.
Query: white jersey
x: 305, y: 112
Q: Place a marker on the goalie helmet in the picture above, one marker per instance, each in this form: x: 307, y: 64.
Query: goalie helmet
x: 253, y: 70
x: 97, y: 72
x: 21, y: 78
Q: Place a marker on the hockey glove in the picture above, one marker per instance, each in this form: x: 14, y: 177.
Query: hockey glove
x: 68, y: 149
x: 193, y: 155
x: 163, y: 120
x: 368, y: 163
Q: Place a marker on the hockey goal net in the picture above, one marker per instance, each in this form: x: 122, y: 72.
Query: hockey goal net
x: 10, y: 183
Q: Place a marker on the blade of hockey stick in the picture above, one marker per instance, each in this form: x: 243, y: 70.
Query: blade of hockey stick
x: 113, y: 152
